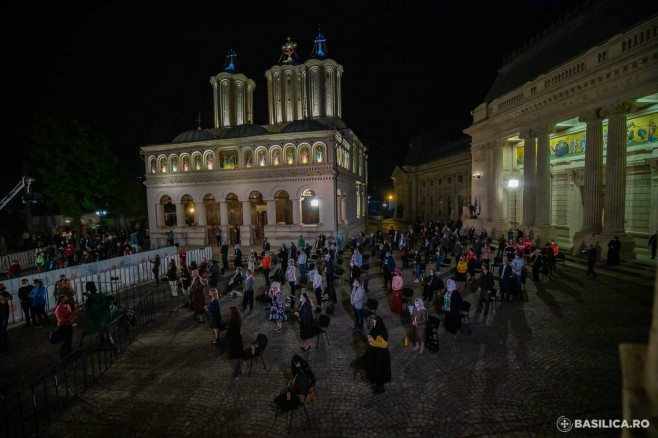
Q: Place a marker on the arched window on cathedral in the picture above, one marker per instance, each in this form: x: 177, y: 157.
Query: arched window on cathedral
x: 186, y: 164
x: 290, y: 155
x: 319, y: 154
x: 276, y: 156
x: 163, y: 165
x: 196, y: 159
x: 152, y: 165
x: 304, y: 155
x: 174, y: 164
x: 210, y: 161
x: 248, y: 159
x: 310, y: 208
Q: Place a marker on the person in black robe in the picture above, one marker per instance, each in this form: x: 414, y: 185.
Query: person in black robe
x: 306, y: 322
x: 614, y: 248
x: 537, y: 260
x: 377, y: 357
x: 452, y: 302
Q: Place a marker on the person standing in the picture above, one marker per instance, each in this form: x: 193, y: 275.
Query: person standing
x: 357, y: 258
x: 419, y: 318
x: 505, y: 279
x: 238, y: 256
x: 356, y: 299
x: 278, y: 312
x: 266, y: 246
x: 397, y: 284
x: 5, y: 298
x: 26, y: 302
x: 301, y: 262
x: 301, y: 243
x: 170, y: 238
x: 234, y: 346
x: 64, y: 316
x: 517, y: 269
x: 291, y: 276
x: 172, y: 278
x: 266, y: 264
x: 248, y: 297
x: 316, y: 279
x: 417, y: 262
x: 197, y: 285
x: 355, y: 271
x: 388, y: 266
x: 306, y: 322
x: 614, y: 250
x: 224, y: 253
x: 214, y: 315
x: 590, y: 255
x: 38, y: 297
x: 486, y: 288
x: 653, y: 244
x: 377, y: 357
x: 452, y: 301
x: 156, y: 268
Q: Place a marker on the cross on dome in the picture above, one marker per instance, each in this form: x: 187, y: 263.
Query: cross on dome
x: 288, y: 51
x: 319, y: 46
x: 231, y: 64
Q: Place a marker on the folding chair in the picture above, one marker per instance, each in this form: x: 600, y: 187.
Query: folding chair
x: 321, y: 326
x: 465, y: 317
x: 407, y: 296
x: 257, y: 352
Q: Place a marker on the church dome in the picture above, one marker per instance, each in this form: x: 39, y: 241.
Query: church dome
x: 194, y: 135
x: 246, y: 130
x: 304, y: 125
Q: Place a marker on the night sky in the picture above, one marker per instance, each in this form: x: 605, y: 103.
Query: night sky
x: 139, y: 71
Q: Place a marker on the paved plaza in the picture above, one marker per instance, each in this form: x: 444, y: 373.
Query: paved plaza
x: 524, y: 365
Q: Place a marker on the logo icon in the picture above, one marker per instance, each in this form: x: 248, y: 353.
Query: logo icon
x: 564, y: 424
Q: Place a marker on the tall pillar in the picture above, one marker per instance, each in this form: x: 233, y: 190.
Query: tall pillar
x: 529, y: 168
x: 223, y: 213
x: 653, y: 218
x: 200, y: 213
x: 296, y: 212
x: 498, y: 185
x: 245, y: 228
x: 593, y: 186
x: 615, y: 168
x: 271, y: 212
x: 180, y: 214
x: 542, y: 198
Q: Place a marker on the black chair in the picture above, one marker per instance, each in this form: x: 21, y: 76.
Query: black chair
x: 446, y: 263
x: 494, y: 300
x: 407, y: 296
x: 257, y: 352
x: 338, y: 275
x: 423, y: 267
x: 561, y: 260
x: 297, y: 404
x: 370, y: 309
x: 321, y: 326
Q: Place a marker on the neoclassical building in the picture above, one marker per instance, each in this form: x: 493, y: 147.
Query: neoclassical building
x: 434, y: 181
x: 565, y: 143
x: 302, y: 174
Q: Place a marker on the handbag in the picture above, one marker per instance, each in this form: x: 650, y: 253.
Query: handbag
x: 55, y: 336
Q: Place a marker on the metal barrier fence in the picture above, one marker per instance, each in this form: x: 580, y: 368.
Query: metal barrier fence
x: 112, y: 281
x: 29, y: 411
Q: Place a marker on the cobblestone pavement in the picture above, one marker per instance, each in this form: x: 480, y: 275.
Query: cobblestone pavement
x: 524, y: 365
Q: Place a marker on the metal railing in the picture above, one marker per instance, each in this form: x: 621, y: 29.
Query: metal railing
x: 27, y: 412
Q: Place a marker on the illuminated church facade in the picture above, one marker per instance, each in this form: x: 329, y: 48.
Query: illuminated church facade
x: 304, y: 173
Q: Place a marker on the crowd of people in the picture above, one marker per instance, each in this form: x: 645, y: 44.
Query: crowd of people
x: 66, y: 249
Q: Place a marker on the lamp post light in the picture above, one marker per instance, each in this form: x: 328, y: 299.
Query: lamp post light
x: 512, y: 185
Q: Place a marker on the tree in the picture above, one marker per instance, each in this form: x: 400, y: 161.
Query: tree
x: 73, y: 165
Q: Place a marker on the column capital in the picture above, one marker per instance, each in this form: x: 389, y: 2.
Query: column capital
x: 545, y: 130
x: 619, y: 108
x: 527, y: 134
x: 590, y: 115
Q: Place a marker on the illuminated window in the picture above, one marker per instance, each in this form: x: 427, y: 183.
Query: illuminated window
x: 174, y: 164
x: 319, y: 154
x: 248, y: 159
x: 261, y: 158
x: 229, y: 159
x: 186, y: 164
x: 163, y: 165
x: 276, y: 159
x: 303, y: 155
x: 153, y: 166
x: 290, y: 156
x: 210, y: 161
x: 197, y: 161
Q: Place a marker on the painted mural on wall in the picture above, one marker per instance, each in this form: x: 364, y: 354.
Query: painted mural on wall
x: 639, y: 130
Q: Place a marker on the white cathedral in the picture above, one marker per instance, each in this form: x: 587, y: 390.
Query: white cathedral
x: 304, y: 173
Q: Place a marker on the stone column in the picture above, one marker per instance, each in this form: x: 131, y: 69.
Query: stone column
x: 180, y: 214
x: 615, y: 168
x: 296, y: 211
x: 200, y: 213
x: 653, y: 218
x: 223, y: 213
x: 271, y: 212
x: 488, y: 179
x: 529, y: 168
x: 593, y: 186
x: 321, y: 208
x: 245, y: 229
x: 542, y: 198
x: 498, y: 185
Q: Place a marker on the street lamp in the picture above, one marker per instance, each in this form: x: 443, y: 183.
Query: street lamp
x: 512, y: 185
